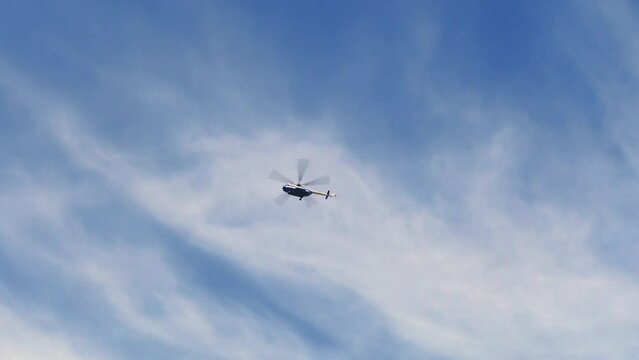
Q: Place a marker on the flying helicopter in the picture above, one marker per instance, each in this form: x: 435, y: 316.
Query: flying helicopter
x: 299, y: 189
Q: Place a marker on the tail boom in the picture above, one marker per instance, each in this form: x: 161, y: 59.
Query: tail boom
x: 326, y: 195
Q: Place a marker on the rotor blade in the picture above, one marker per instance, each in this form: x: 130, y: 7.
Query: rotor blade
x: 282, y: 198
x: 324, y: 180
x: 302, y: 164
x: 309, y: 201
x: 275, y: 175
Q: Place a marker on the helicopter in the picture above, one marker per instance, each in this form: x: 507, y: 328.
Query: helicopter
x: 299, y: 189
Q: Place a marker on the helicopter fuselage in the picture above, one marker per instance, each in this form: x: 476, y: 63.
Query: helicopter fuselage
x: 297, y: 191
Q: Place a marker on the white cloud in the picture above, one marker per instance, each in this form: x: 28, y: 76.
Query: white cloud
x: 134, y: 281
x: 508, y: 279
x: 20, y: 340
x: 515, y: 280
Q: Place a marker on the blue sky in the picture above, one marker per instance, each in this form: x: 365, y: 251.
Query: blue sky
x: 485, y: 156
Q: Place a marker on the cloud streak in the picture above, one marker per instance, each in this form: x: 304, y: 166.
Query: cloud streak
x: 487, y: 253
x: 511, y: 273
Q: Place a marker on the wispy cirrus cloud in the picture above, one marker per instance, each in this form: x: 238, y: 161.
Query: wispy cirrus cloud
x: 170, y: 246
x: 144, y: 275
x: 509, y: 272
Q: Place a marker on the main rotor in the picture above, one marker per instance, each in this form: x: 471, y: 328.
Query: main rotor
x: 302, y: 165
